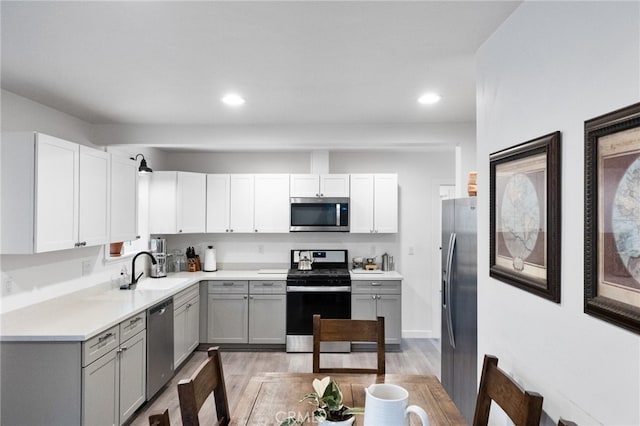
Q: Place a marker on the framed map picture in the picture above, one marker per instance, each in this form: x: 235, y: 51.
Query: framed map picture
x: 525, y: 216
x: 612, y: 217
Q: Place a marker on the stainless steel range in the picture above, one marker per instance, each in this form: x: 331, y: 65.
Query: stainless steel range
x: 325, y: 289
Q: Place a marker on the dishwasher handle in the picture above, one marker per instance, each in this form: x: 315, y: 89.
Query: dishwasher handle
x: 161, y: 307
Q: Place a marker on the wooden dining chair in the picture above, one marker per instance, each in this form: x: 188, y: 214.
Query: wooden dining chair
x: 160, y: 419
x: 193, y: 392
x: 348, y: 330
x: 563, y: 422
x: 524, y: 408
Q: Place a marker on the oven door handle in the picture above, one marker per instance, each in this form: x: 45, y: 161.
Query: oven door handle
x: 318, y: 289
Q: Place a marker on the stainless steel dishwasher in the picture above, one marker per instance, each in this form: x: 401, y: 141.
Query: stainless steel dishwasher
x: 159, y: 346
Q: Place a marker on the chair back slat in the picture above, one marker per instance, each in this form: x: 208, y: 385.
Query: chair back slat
x: 524, y: 408
x: 345, y: 330
x: 192, y: 393
x: 160, y: 419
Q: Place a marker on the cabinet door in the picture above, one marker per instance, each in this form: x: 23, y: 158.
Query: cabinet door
x: 100, y: 390
x: 133, y: 356
x: 271, y: 203
x: 334, y: 185
x: 162, y: 203
x: 227, y: 319
x: 192, y: 325
x: 363, y: 306
x: 57, y: 174
x: 389, y: 306
x: 191, y: 202
x: 218, y: 199
x: 241, y: 205
x: 305, y: 185
x: 94, y: 197
x: 267, y: 317
x: 361, y: 204
x: 124, y: 199
x: 386, y: 203
x: 179, y: 327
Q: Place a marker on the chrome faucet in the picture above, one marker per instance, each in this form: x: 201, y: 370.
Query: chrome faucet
x: 134, y: 279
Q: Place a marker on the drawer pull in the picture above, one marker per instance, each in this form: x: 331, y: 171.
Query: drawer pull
x: 376, y: 284
x: 227, y: 284
x: 105, y: 337
x: 267, y: 284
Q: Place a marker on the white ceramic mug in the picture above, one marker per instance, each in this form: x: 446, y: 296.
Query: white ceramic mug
x: 386, y: 405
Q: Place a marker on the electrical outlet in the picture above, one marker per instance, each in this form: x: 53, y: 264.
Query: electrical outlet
x: 7, y: 285
x: 87, y: 267
x: 261, y: 249
x: 411, y: 252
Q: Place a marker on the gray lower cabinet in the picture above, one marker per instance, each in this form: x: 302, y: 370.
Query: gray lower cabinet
x: 371, y: 299
x: 267, y: 312
x: 247, y: 312
x: 100, y: 391
x: 186, y: 323
x: 113, y: 383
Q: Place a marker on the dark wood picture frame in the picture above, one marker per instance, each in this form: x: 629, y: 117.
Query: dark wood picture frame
x: 525, y: 191
x: 612, y: 155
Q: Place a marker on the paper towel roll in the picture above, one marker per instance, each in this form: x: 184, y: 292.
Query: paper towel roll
x: 210, y: 260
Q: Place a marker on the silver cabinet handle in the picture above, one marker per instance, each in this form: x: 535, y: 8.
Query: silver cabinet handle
x: 373, y: 296
x: 105, y: 337
x: 317, y: 195
x: 244, y: 297
x: 255, y: 230
x: 226, y: 230
x: 250, y: 297
x: 267, y: 284
x: 321, y: 194
x: 227, y: 284
x: 447, y: 289
x: 375, y: 284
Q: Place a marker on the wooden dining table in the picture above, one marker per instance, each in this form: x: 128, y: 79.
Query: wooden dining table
x: 269, y: 398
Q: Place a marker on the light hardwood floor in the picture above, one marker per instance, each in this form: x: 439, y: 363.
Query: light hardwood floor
x: 418, y: 356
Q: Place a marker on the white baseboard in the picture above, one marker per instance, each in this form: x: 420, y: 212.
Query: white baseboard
x: 417, y: 334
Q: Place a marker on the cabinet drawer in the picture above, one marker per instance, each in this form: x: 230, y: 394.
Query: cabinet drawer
x: 133, y: 325
x: 267, y: 287
x: 185, y: 295
x: 99, y: 345
x: 376, y: 286
x: 229, y: 287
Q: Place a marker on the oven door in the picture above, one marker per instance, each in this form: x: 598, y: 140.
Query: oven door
x: 305, y: 301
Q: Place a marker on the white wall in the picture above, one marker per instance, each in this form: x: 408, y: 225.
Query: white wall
x: 416, y: 172
x: 551, y: 66
x: 422, y: 155
x: 41, y: 276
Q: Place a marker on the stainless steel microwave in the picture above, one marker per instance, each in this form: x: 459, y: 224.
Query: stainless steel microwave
x: 319, y: 214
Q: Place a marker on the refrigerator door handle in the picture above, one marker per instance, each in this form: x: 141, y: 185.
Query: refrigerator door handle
x: 448, y: 304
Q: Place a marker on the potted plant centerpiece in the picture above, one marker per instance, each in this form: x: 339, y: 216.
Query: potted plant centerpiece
x: 328, y: 399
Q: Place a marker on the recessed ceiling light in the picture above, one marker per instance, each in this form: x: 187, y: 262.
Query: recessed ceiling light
x: 429, y: 98
x: 233, y: 99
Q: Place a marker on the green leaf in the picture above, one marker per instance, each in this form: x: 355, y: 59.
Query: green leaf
x: 332, y: 396
x: 354, y: 410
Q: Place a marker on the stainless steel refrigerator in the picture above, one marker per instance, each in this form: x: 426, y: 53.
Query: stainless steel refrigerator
x: 459, y: 340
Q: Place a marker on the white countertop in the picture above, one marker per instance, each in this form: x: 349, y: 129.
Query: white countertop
x: 81, y: 315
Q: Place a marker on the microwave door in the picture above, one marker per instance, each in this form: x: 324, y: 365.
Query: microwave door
x: 317, y: 215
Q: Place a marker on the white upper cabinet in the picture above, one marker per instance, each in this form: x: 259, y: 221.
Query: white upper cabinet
x: 54, y: 194
x: 94, y: 196
x: 124, y: 199
x: 241, y: 203
x: 192, y: 204
x: 177, y: 202
x: 271, y: 203
x: 374, y: 203
x: 311, y: 185
x: 361, y: 203
x: 385, y: 203
x: 230, y: 203
x: 218, y: 199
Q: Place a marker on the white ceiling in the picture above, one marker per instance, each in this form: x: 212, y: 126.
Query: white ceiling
x: 160, y: 62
